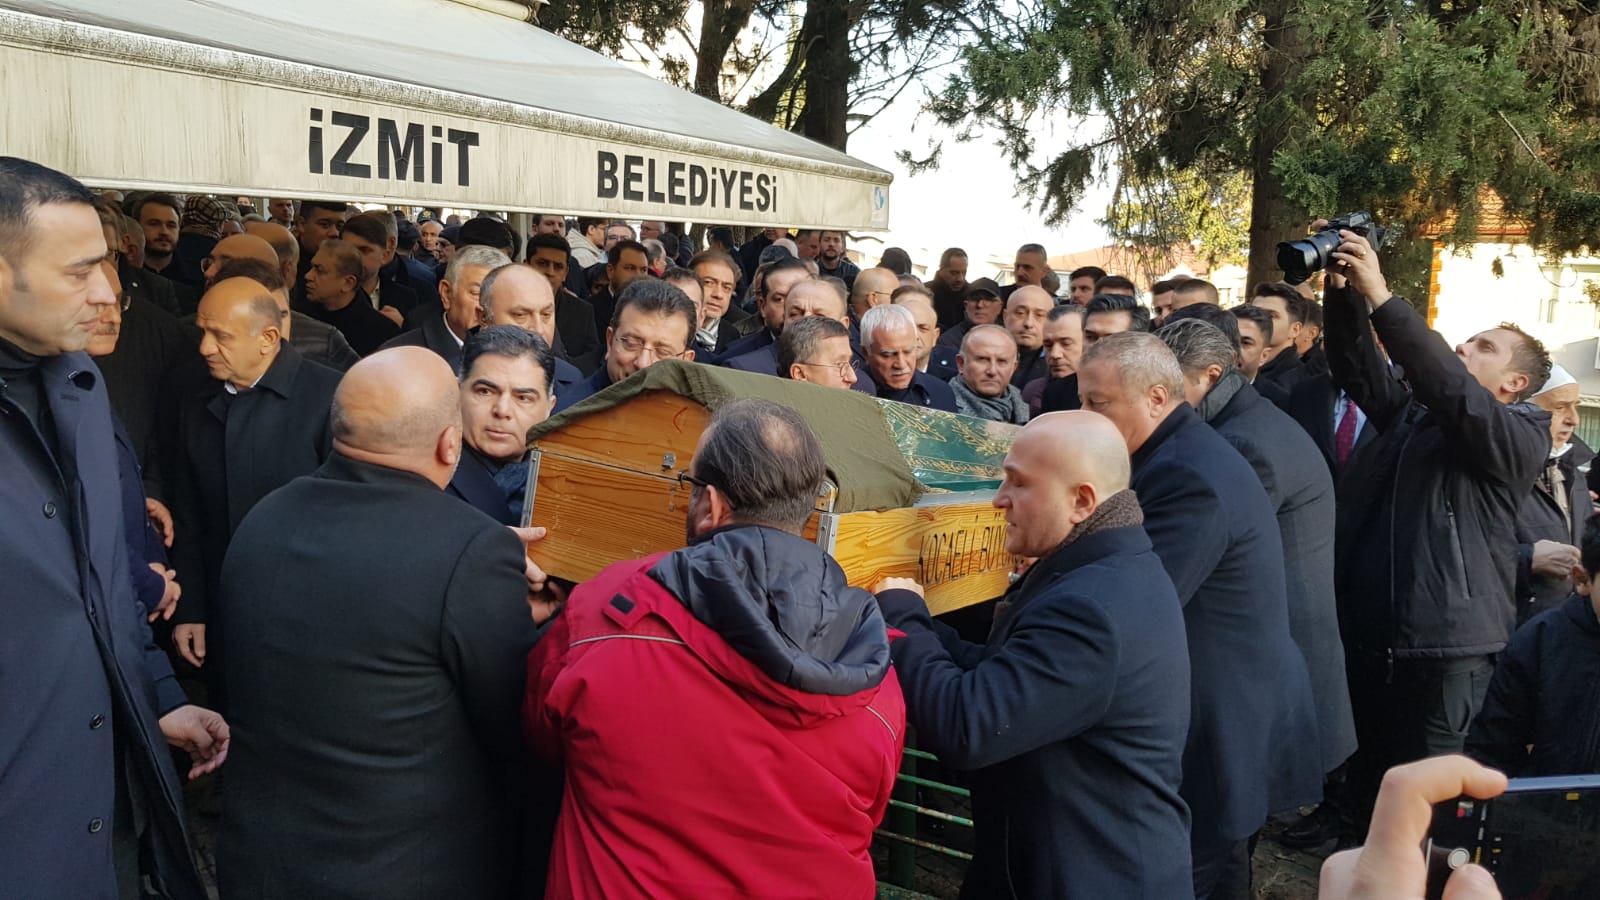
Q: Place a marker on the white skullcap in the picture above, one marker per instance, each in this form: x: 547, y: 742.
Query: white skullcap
x: 1559, y: 377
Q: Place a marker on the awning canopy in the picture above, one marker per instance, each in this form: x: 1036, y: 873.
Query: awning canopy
x: 424, y: 102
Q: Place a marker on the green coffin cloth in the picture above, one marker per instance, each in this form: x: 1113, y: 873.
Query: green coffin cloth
x: 862, y: 456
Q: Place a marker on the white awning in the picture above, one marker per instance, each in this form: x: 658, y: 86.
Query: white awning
x: 422, y: 102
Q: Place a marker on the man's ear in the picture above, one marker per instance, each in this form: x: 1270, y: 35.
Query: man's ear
x: 1580, y: 580
x: 448, y: 450
x: 1085, y: 499
x: 797, y: 372
x: 1515, y: 383
x: 1158, y: 397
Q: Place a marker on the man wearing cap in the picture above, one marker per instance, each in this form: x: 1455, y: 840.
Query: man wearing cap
x: 202, y: 228
x: 983, y: 308
x: 1550, y: 521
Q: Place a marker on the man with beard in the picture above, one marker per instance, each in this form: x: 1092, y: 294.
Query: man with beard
x: 949, y: 287
x: 832, y: 263
x: 550, y: 256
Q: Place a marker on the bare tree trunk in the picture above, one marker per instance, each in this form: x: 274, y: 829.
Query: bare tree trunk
x: 828, y: 71
x: 1273, y: 217
x: 721, y: 21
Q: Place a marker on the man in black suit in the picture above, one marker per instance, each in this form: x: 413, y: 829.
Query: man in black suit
x: 550, y: 256
x: 720, y: 319
x: 1335, y: 423
x: 377, y: 689
x: 505, y: 390
x: 773, y: 282
x: 1213, y: 527
x: 333, y: 295
x: 1063, y: 347
x: 258, y: 421
x: 518, y: 295
x: 458, y: 295
x: 1301, y: 494
x: 1083, y: 802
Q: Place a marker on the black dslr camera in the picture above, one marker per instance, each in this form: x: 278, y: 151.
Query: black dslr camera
x: 1298, y: 259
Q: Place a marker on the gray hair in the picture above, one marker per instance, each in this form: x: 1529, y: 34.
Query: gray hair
x: 654, y: 250
x: 1143, y: 362
x: 802, y: 339
x: 766, y: 461
x: 474, y: 255
x: 885, y: 318
x: 1198, y: 345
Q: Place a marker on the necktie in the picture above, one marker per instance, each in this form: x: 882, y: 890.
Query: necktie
x: 1344, y: 438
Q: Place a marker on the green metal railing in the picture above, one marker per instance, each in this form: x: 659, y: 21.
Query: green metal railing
x: 902, y: 838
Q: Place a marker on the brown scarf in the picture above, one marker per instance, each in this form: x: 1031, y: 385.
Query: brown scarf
x: 1120, y: 510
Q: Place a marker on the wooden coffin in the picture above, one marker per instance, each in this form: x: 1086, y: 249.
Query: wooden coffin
x: 603, y: 480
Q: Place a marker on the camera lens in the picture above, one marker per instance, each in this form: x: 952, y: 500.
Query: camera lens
x: 1298, y: 259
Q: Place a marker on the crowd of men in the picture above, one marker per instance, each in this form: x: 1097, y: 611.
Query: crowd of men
x: 1266, y: 554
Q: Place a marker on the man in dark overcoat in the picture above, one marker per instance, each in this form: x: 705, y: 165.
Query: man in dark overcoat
x: 258, y: 421
x: 1073, y: 716
x: 376, y: 687
x: 1214, y: 530
x: 1301, y: 492
x: 89, y: 801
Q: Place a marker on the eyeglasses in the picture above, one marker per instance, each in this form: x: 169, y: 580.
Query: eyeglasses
x: 685, y: 478
x: 842, y: 368
x: 983, y: 298
x: 634, y: 344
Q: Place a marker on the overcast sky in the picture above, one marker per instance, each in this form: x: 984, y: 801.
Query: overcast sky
x: 969, y: 201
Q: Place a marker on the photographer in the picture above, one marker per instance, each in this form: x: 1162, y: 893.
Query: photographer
x: 1426, y: 539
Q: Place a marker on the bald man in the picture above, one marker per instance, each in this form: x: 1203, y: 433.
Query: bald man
x: 258, y: 422
x: 519, y: 295
x: 873, y: 287
x: 1027, y: 309
x: 283, y: 243
x: 378, y: 681
x: 1082, y: 802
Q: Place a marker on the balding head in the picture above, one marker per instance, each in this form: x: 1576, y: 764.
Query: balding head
x: 283, y: 244
x: 518, y: 295
x: 1026, y: 311
x: 238, y: 246
x: 1061, y: 468
x: 238, y: 322
x: 815, y: 298
x: 401, y: 409
x: 873, y: 287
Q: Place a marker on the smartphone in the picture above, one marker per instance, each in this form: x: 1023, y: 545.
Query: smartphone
x: 1540, y: 839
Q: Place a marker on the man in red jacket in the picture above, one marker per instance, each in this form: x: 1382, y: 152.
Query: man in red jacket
x: 725, y: 714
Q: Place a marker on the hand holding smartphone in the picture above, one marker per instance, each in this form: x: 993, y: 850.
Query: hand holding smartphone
x: 1540, y: 839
